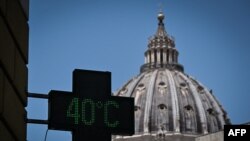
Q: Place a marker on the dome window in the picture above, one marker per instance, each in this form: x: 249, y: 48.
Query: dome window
x: 183, y: 84
x: 162, y: 87
x: 162, y: 83
x: 188, y: 107
x: 137, y: 108
x: 211, y: 111
x: 141, y: 85
x: 162, y: 106
x: 123, y: 90
x: 200, y: 89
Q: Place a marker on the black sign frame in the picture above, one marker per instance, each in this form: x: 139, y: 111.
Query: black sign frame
x: 92, y: 86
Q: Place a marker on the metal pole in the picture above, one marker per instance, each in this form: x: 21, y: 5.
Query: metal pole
x: 42, y: 96
x: 37, y: 121
x: 37, y: 95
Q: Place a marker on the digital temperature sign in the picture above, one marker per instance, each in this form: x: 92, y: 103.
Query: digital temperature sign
x: 68, y: 112
x: 90, y: 107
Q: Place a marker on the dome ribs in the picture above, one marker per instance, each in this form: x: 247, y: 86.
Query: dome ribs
x: 160, y: 119
x: 169, y: 101
x: 132, y: 85
x: 139, y: 90
x: 198, y: 103
x: 188, y: 121
x: 149, y: 101
x: 215, y: 105
x: 175, y: 105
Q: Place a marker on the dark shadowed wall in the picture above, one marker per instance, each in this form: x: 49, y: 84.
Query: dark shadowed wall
x: 14, y: 31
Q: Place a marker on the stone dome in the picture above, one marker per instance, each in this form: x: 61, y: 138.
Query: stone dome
x: 169, y: 103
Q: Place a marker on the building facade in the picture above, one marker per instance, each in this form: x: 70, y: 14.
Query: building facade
x: 13, y: 69
x: 169, y: 104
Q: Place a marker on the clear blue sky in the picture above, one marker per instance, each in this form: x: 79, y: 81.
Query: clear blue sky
x: 212, y: 36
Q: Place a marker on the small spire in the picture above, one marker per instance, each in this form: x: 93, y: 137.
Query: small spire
x: 161, y: 29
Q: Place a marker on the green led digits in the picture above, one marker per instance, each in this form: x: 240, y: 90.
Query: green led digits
x: 107, y: 105
x: 86, y: 112
x: 73, y: 110
x: 88, y: 103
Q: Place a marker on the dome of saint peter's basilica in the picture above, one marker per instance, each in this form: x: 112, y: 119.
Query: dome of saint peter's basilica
x: 169, y: 104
